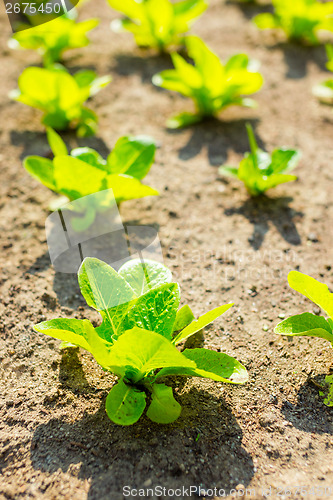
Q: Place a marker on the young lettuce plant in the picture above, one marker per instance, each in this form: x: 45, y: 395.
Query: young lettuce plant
x: 51, y: 40
x: 324, y: 92
x: 211, y: 85
x: 61, y: 97
x: 299, y: 19
x: 309, y: 324
x: 157, y: 23
x: 142, y: 325
x: 84, y: 172
x: 260, y: 171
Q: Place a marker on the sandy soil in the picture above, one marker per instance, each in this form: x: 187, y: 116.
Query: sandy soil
x: 56, y: 441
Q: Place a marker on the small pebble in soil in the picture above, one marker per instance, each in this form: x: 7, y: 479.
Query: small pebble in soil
x: 313, y: 237
x: 282, y: 315
x: 265, y: 328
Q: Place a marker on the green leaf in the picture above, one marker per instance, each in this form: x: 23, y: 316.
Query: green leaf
x: 217, y: 366
x: 127, y: 188
x: 75, y: 178
x: 183, y: 120
x: 107, y: 292
x: 313, y: 290
x: 183, y: 318
x: 210, y: 364
x: 187, y: 11
x: 228, y: 171
x: 100, y: 348
x: 329, y: 51
x: 125, y: 404
x: 139, y: 352
x: 253, y: 143
x: 41, y: 169
x: 187, y: 74
x: 66, y: 329
x: 145, y: 275
x: 275, y: 180
x: 170, y: 80
x: 132, y: 156
x: 200, y: 323
x: 156, y: 310
x: 99, y: 84
x: 130, y: 8
x: 88, y: 123
x: 48, y: 90
x: 306, y: 324
x: 84, y: 78
x: 163, y: 408
x: 324, y: 91
x: 207, y: 63
x: 111, y: 332
x: 265, y: 21
x: 90, y: 156
x: 284, y: 160
x: 57, y: 145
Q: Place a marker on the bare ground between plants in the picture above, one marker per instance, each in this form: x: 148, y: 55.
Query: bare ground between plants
x: 55, y: 438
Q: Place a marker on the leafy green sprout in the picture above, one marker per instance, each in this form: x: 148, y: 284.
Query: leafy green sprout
x: 158, y: 24
x: 260, y: 171
x: 299, y: 19
x: 211, y: 85
x: 61, y: 97
x: 324, y: 91
x: 141, y: 326
x: 51, y: 40
x: 84, y: 171
x: 308, y: 324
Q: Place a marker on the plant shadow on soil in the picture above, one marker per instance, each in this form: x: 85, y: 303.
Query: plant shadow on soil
x: 261, y: 211
x: 35, y: 143
x: 145, y: 65
x: 173, y: 456
x: 251, y: 9
x: 310, y: 414
x: 298, y: 57
x: 218, y: 137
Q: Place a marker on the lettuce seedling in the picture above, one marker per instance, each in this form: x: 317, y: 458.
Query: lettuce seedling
x: 51, y: 40
x: 61, y: 97
x: 324, y: 92
x: 299, y: 19
x: 84, y: 171
x: 261, y: 171
x: 157, y: 23
x: 308, y: 324
x: 137, y: 338
x: 210, y: 84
